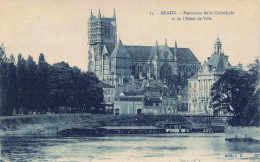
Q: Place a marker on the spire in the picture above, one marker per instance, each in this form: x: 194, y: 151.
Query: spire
x: 175, y: 51
x: 157, y: 47
x: 91, y: 14
x: 114, y: 14
x: 99, y: 14
x: 218, y: 46
x: 157, y: 50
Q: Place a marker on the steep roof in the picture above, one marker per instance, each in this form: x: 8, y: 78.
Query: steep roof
x: 104, y: 85
x: 134, y: 93
x: 185, y: 55
x: 219, y: 62
x: 110, y: 47
x: 194, y: 77
x: 220, y: 66
x: 213, y: 60
x: 139, y: 53
x: 153, y: 99
x: 119, y: 51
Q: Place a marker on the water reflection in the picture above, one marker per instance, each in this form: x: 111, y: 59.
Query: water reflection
x: 166, y: 147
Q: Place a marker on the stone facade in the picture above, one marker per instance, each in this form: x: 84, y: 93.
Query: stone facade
x: 109, y: 97
x: 199, y: 85
x: 154, y: 99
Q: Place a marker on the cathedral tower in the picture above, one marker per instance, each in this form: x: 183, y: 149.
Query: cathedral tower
x: 102, y: 33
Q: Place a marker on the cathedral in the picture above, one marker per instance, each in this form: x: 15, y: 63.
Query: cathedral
x: 115, y: 63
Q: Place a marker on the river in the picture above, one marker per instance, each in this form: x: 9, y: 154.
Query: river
x: 150, y: 147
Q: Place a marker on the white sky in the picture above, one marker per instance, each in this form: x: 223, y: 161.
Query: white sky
x: 58, y: 28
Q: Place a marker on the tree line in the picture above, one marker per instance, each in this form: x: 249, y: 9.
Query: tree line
x: 28, y: 87
x: 237, y: 91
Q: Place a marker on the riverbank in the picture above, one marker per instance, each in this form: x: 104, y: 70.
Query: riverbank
x: 50, y: 124
x: 246, y: 134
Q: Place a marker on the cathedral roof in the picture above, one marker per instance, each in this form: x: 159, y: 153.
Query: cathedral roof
x: 185, y: 55
x: 142, y: 53
x: 120, y: 51
x: 110, y: 47
x: 139, y: 53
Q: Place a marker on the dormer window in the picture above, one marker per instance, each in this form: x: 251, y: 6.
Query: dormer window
x: 210, y: 68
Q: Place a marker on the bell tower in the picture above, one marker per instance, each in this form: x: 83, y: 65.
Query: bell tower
x: 218, y: 46
x: 101, y: 31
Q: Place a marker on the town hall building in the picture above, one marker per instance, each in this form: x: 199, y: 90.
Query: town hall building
x: 199, y: 85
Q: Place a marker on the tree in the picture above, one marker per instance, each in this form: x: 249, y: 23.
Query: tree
x: 69, y: 87
x: 232, y: 93
x: 10, y: 95
x: 254, y: 68
x: 3, y: 72
x: 21, y: 82
x: 92, y: 93
x: 42, y: 84
x: 30, y: 94
x: 61, y: 85
x: 252, y: 110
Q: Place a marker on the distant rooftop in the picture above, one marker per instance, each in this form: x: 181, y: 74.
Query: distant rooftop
x: 130, y: 127
x: 194, y: 77
x: 104, y: 85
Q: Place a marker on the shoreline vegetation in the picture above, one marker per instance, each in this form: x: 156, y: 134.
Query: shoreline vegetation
x: 242, y: 133
x: 27, y: 87
x: 86, y: 124
x: 50, y: 124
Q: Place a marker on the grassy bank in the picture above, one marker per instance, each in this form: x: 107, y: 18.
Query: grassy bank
x: 52, y: 123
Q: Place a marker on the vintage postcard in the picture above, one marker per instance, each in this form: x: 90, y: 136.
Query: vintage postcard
x: 129, y: 80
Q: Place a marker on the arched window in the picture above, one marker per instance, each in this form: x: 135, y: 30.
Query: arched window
x: 165, y: 54
x: 165, y: 71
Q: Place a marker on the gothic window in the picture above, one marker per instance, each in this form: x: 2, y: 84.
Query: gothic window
x: 108, y: 30
x: 141, y: 68
x: 146, y: 68
x: 165, y: 72
x: 166, y: 54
